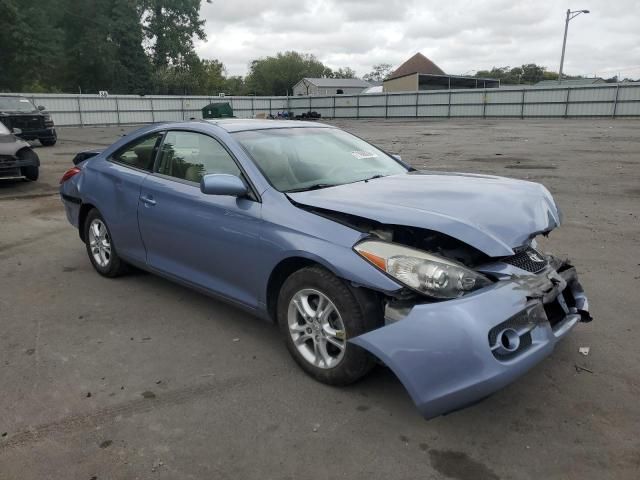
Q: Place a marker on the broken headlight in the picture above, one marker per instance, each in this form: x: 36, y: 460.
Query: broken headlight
x: 429, y: 274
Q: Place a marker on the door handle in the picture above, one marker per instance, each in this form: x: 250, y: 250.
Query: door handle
x: 148, y: 201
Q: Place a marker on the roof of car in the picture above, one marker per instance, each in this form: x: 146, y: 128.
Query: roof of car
x: 242, y: 124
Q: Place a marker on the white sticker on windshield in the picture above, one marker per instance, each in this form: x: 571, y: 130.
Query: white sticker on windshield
x: 361, y: 155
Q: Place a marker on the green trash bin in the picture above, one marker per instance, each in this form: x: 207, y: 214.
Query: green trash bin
x: 217, y: 110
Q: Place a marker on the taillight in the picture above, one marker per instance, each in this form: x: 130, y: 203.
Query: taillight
x: 69, y: 173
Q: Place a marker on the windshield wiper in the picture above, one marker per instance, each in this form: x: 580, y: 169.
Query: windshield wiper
x: 315, y: 186
x: 318, y: 186
x: 365, y: 180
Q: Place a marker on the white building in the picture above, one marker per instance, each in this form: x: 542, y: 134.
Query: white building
x: 329, y: 86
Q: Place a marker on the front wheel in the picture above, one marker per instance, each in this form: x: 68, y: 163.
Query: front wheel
x: 317, y: 314
x: 32, y: 172
x: 49, y: 141
x: 100, y: 247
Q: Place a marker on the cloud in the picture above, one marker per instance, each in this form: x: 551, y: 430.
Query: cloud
x: 458, y: 35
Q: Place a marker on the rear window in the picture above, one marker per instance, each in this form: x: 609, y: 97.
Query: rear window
x: 139, y: 154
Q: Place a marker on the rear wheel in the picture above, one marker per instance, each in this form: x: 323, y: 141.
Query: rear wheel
x: 317, y: 314
x: 100, y: 247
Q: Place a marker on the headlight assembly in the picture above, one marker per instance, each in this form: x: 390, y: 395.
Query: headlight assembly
x: 426, y: 273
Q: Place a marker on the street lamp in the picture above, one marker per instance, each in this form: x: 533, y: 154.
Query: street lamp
x: 570, y: 16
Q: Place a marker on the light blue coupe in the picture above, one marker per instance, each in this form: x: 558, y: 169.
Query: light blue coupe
x: 356, y: 255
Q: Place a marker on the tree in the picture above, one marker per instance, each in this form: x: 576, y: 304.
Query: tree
x: 277, y: 75
x: 126, y: 35
x: 344, y: 73
x: 132, y: 47
x: 529, y: 73
x: 193, y: 76
x: 89, y: 60
x: 235, y: 86
x: 532, y: 73
x: 213, y: 77
x: 171, y: 26
x: 30, y: 44
x: 185, y: 77
x: 379, y: 72
x: 506, y: 75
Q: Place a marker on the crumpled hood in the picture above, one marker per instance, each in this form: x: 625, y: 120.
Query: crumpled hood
x: 492, y: 214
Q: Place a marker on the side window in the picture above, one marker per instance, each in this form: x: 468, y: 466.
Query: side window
x: 190, y: 156
x: 139, y: 154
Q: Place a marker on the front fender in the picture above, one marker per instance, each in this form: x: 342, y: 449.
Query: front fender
x: 291, y: 232
x: 344, y: 263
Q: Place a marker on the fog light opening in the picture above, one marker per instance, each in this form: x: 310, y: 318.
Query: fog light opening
x: 509, y: 340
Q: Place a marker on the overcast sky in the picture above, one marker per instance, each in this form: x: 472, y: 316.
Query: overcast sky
x: 458, y: 35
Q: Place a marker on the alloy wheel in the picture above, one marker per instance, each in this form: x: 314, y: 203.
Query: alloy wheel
x: 99, y: 243
x: 316, y: 328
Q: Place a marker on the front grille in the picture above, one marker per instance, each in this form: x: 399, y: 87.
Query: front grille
x: 6, y: 159
x: 528, y: 259
x: 25, y: 122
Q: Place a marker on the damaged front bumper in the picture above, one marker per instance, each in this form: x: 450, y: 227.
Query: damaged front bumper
x: 451, y: 354
x: 10, y: 166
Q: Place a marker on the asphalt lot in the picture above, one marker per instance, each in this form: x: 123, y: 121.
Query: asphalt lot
x: 140, y: 378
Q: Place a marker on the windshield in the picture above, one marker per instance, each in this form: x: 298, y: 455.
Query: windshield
x: 296, y: 159
x: 16, y: 104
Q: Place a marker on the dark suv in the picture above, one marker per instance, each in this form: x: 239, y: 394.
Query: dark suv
x: 34, y: 123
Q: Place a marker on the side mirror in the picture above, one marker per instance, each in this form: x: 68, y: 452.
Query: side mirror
x: 397, y: 156
x: 41, y: 108
x: 223, y: 184
x: 16, y: 131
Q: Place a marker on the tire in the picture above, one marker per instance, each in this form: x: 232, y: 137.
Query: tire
x: 330, y: 365
x: 100, y: 248
x: 32, y: 172
x: 49, y: 141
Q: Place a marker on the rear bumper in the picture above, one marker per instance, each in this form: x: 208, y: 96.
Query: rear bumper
x: 72, y: 206
x: 448, y: 354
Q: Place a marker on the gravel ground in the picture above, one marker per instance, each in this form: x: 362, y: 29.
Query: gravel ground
x: 140, y: 378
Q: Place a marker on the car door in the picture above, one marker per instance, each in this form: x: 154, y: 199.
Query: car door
x: 211, y: 241
x: 116, y: 192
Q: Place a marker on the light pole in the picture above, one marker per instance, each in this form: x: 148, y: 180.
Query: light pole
x: 570, y: 16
